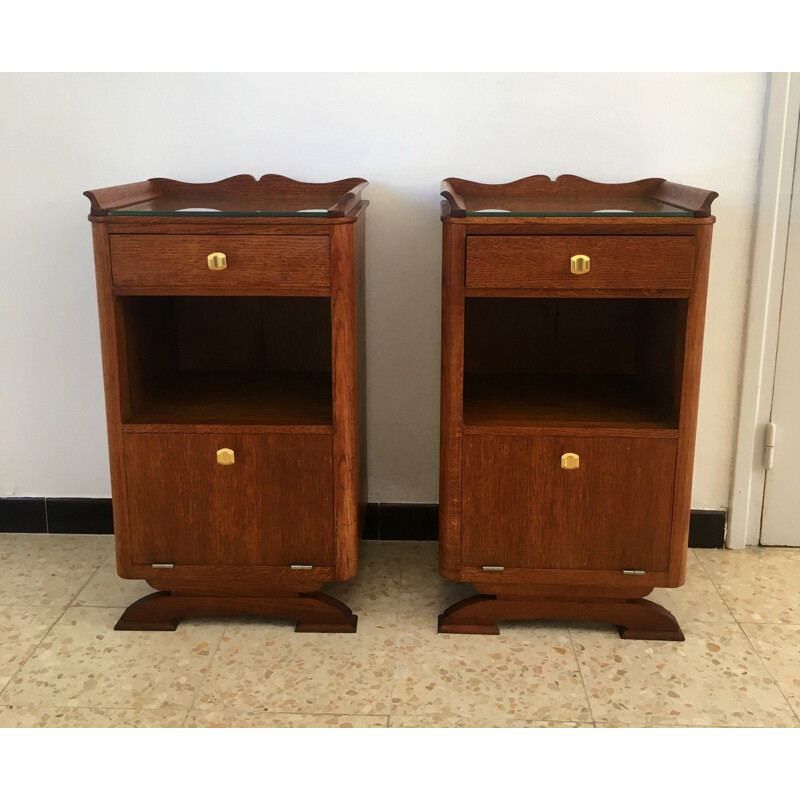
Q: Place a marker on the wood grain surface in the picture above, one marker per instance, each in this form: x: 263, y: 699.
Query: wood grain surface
x: 625, y: 262
x: 272, y: 507
x: 288, y: 264
x: 521, y: 509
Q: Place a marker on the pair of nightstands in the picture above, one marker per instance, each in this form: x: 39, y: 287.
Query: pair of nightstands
x: 232, y: 327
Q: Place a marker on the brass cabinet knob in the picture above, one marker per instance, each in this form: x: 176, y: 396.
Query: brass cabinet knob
x: 579, y: 265
x: 570, y: 461
x: 217, y: 261
x: 225, y: 456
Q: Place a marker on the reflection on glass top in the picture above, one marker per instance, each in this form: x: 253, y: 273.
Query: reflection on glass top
x: 175, y: 206
x: 624, y: 206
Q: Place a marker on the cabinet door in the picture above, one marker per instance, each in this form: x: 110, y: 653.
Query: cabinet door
x: 272, y: 507
x: 520, y: 508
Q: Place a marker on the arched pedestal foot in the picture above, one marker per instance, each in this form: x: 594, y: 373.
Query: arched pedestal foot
x: 634, y: 619
x: 315, y: 612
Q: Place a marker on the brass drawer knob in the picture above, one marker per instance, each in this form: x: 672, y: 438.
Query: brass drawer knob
x: 217, y: 261
x: 579, y: 265
x: 225, y: 456
x: 570, y: 461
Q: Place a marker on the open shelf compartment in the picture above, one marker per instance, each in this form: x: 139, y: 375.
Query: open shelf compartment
x: 573, y: 362
x: 228, y: 360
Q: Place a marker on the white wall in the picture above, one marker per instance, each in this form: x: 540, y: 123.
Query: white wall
x: 61, y: 134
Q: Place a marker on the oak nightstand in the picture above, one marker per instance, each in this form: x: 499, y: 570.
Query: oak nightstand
x: 572, y: 331
x: 232, y: 325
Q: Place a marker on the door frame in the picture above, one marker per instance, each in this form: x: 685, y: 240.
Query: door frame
x: 768, y: 263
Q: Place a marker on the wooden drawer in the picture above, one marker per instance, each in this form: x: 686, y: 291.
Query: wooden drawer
x: 543, y: 262
x: 274, y: 264
x: 272, y: 507
x: 521, y: 509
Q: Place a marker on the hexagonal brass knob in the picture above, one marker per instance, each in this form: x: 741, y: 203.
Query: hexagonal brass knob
x: 225, y: 457
x: 570, y: 461
x: 217, y: 261
x: 579, y: 265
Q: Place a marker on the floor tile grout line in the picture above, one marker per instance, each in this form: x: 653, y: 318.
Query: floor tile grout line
x: 395, y: 654
x: 32, y: 652
x: 86, y: 583
x: 768, y: 670
x: 205, y: 677
x: 580, y: 672
x: 716, y: 589
x: 730, y: 610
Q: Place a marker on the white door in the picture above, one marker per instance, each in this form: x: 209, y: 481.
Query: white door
x: 780, y: 524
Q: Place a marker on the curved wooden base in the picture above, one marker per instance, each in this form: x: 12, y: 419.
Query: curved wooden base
x: 315, y: 612
x: 634, y: 618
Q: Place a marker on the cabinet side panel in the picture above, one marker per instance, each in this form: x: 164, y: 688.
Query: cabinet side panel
x: 345, y: 399
x: 690, y: 391
x: 453, y: 260
x: 361, y: 362
x: 115, y: 382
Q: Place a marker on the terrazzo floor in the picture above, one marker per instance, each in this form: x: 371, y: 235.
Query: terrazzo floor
x: 63, y: 665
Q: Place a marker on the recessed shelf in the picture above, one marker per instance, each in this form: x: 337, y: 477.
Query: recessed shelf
x: 270, y: 399
x: 593, y: 401
x: 612, y: 363
x: 247, y: 361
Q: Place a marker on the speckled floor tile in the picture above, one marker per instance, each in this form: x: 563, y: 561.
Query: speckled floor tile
x: 528, y: 672
x: 260, y: 719
x: 21, y: 629
x: 272, y: 668
x: 714, y: 678
x: 424, y: 590
x: 48, y: 569
x: 376, y: 585
x: 107, y: 589
x: 676, y: 725
x: 779, y: 648
x: 37, y: 717
x: 443, y: 721
x: 697, y: 600
x: 84, y: 662
x: 758, y: 584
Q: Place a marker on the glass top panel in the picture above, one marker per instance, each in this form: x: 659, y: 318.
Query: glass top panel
x: 622, y: 206
x: 285, y: 205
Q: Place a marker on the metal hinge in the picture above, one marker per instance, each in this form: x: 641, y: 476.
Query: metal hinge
x: 769, y: 445
x: 634, y: 572
x: 162, y: 566
x: 492, y: 569
x: 302, y: 566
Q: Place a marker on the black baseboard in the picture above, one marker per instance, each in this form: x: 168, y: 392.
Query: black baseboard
x: 56, y: 515
x: 407, y: 522
x: 23, y: 515
x: 415, y: 522
x: 707, y: 529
